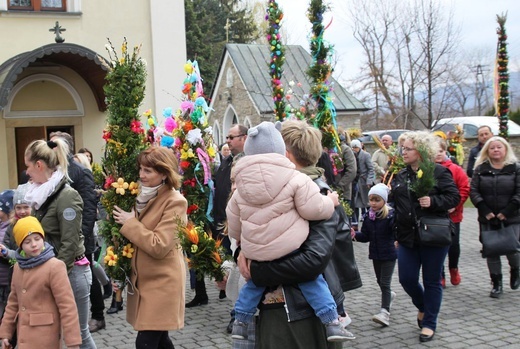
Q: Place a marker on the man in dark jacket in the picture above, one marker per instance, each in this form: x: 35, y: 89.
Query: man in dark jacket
x: 83, y: 182
x: 317, y: 255
x: 483, y: 133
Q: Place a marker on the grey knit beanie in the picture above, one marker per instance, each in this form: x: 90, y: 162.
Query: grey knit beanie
x: 19, y: 195
x: 264, y: 138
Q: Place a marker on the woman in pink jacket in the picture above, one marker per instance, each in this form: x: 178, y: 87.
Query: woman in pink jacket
x: 268, y: 214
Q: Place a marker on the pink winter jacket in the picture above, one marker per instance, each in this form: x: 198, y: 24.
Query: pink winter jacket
x: 271, y: 206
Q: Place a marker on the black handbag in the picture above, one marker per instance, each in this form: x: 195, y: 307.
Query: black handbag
x: 499, y: 241
x: 435, y: 231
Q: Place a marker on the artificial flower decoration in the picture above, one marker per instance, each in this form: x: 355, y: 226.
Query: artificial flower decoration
x: 128, y: 251
x: 125, y: 139
x: 502, y: 79
x: 320, y: 72
x: 120, y: 186
x: 206, y: 255
x: 274, y: 16
x: 194, y: 136
x: 136, y: 126
x: 134, y: 188
x: 194, y: 147
x: 110, y: 258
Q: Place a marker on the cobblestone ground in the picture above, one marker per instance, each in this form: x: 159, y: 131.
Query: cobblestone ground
x: 469, y: 318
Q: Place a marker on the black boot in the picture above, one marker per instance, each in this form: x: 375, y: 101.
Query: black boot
x: 201, y: 297
x: 496, y: 292
x: 515, y: 278
x: 115, y: 306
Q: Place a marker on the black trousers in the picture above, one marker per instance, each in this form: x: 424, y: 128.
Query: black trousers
x: 97, y: 304
x: 153, y: 340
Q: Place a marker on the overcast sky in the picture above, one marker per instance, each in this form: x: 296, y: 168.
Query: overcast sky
x: 477, y: 19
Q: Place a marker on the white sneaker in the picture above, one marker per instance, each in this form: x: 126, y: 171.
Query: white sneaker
x: 392, y: 299
x: 382, y: 318
x: 345, y: 320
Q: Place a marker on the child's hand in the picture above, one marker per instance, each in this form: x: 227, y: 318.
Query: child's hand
x: 7, y: 345
x: 352, y: 233
x: 3, y: 250
x: 334, y: 197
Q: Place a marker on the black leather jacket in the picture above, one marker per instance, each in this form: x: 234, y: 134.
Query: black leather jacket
x: 317, y: 255
x: 83, y: 183
x: 443, y: 196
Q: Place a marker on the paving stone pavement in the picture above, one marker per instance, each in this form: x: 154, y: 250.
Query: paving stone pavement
x: 469, y: 318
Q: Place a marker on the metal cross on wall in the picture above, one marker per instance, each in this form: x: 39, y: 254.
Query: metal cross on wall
x: 57, y: 30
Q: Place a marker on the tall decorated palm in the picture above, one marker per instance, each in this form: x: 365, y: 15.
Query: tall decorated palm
x: 124, y: 139
x: 196, y: 151
x: 275, y: 15
x: 502, y: 78
x: 320, y: 72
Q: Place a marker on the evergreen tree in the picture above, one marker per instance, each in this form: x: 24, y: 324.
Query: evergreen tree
x: 209, y: 23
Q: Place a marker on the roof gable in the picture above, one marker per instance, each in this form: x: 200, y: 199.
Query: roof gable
x: 251, y: 62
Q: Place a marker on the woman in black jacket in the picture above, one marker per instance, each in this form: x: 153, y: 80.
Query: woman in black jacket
x: 495, y: 191
x: 412, y: 255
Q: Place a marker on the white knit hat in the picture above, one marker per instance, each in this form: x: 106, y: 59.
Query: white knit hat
x: 380, y: 190
x: 19, y: 195
x: 355, y: 144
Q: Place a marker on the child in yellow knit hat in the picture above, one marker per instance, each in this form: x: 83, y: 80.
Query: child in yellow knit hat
x: 40, y: 288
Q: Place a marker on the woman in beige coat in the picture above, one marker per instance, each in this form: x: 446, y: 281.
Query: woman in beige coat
x: 155, y: 302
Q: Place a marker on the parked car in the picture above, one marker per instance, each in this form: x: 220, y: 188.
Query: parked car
x: 470, y: 125
x: 367, y: 137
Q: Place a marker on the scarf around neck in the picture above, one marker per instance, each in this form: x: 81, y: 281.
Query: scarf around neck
x: 146, y: 194
x: 32, y: 262
x: 38, y: 193
x: 312, y: 171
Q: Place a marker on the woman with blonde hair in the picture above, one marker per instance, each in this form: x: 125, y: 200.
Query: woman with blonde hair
x: 495, y: 192
x: 414, y: 255
x: 158, y: 277
x: 59, y: 209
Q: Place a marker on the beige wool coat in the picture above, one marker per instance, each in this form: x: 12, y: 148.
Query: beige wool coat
x: 41, y: 302
x: 156, y: 296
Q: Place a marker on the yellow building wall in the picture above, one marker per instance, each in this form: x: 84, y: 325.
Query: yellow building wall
x: 157, y: 25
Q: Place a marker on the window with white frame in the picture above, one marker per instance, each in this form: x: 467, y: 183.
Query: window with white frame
x: 38, y: 5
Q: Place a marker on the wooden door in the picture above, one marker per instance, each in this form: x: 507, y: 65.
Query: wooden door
x: 24, y: 136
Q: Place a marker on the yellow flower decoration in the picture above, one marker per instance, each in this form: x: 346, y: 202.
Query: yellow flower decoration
x: 419, y: 174
x: 185, y: 146
x: 110, y: 259
x: 120, y: 186
x: 134, y: 188
x: 211, y: 152
x: 128, y: 251
x: 194, y: 248
x: 187, y: 154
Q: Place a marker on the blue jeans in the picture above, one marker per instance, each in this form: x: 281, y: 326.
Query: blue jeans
x: 428, y: 299
x: 316, y: 293
x: 80, y: 278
